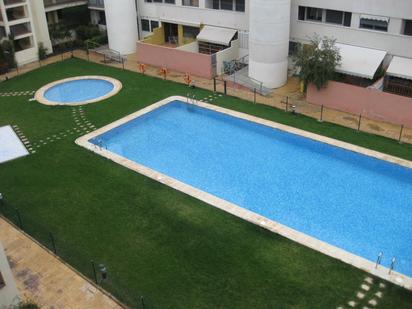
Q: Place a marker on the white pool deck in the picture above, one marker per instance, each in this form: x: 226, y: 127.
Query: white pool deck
x: 301, y: 238
x: 11, y: 146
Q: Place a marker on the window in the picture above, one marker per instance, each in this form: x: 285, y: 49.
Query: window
x: 334, y: 17
x: 145, y: 25
x: 302, y: 12
x: 226, y: 5
x: 331, y: 16
x: 190, y: 32
x: 154, y: 24
x: 102, y: 18
x: 314, y: 14
x: 161, y: 1
x: 347, y: 20
x: 374, y: 23
x: 407, y: 28
x: 240, y: 5
x: 190, y: 3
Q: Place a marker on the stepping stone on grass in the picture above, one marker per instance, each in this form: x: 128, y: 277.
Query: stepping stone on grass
x: 352, y: 303
x: 382, y: 285
x: 379, y: 294
x: 365, y: 287
x: 373, y: 302
x: 368, y: 280
x: 360, y: 295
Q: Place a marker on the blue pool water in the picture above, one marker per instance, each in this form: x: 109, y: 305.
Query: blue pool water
x: 360, y: 204
x: 78, y: 90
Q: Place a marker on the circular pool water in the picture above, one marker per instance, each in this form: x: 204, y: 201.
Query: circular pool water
x: 78, y: 90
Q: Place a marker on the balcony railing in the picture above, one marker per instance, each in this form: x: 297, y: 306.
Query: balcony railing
x: 96, y: 3
x: 48, y: 3
x: 11, y: 2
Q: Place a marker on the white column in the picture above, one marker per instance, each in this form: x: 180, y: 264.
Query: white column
x: 121, y: 20
x: 269, y: 27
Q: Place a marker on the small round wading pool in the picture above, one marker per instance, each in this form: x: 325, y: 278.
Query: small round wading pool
x: 78, y: 90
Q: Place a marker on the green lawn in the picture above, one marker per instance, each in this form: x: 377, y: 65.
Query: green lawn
x: 175, y: 250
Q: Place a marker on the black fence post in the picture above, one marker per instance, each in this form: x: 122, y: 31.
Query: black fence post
x: 225, y: 87
x: 359, y: 122
x: 19, y: 219
x: 94, y: 272
x: 53, y: 243
x: 400, y: 135
x: 254, y: 95
x: 142, y: 302
x: 214, y: 84
x: 287, y: 104
x: 321, y: 114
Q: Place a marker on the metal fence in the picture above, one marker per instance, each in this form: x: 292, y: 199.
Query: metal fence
x: 293, y: 103
x: 96, y: 270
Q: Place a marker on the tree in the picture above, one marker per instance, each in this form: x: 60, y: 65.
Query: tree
x: 317, y: 61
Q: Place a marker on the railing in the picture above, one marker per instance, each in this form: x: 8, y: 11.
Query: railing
x: 48, y: 3
x: 96, y: 3
x: 11, y: 2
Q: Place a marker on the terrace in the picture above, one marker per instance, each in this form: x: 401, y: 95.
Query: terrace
x: 194, y: 49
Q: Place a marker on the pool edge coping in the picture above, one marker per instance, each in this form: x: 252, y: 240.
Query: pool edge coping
x: 240, y: 212
x: 39, y: 95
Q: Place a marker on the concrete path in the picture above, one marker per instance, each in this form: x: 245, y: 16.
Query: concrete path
x: 43, y: 278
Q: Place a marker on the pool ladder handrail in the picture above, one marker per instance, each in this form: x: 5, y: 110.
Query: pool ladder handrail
x: 393, y: 261
x: 191, y: 98
x: 379, y: 259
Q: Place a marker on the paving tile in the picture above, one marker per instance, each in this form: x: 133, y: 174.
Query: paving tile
x: 41, y: 277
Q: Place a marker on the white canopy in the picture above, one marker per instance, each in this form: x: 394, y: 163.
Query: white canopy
x: 180, y: 22
x: 359, y: 61
x: 375, y: 17
x: 400, y: 67
x: 216, y: 35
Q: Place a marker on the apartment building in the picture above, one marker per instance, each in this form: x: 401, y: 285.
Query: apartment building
x: 263, y: 30
x: 27, y: 22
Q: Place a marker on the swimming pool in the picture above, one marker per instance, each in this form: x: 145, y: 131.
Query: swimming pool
x: 349, y: 200
x: 78, y: 90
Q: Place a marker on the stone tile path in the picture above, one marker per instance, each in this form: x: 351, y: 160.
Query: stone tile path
x: 43, y: 278
x: 368, y: 295
x: 17, y: 93
x: 81, y: 126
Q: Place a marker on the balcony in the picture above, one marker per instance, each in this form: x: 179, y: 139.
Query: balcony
x: 96, y: 4
x: 20, y: 29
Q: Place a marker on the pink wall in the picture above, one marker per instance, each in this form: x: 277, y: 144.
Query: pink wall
x: 174, y: 59
x: 370, y: 103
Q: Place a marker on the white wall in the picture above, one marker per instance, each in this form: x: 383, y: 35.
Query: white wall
x: 39, y: 22
x: 8, y: 294
x: 227, y: 54
x: 391, y: 41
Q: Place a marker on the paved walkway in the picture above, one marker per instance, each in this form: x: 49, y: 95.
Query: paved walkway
x: 43, y: 278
